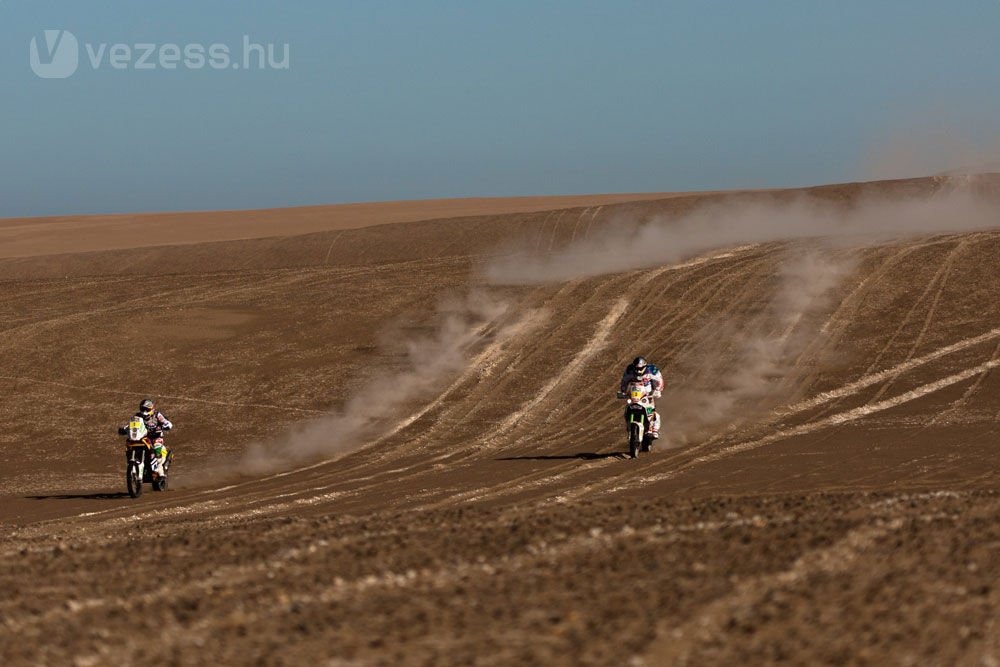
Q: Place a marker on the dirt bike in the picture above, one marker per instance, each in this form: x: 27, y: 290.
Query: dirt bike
x: 140, y: 464
x: 638, y: 412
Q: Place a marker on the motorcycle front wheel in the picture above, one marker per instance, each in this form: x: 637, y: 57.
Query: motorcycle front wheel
x: 634, y: 440
x: 133, y: 481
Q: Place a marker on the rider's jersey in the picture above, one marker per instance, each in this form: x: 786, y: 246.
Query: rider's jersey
x: 651, y: 376
x: 156, y: 423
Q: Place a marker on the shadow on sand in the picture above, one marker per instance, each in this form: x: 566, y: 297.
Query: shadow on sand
x: 82, y: 496
x: 582, y: 456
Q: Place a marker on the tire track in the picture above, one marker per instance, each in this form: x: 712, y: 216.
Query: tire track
x: 563, y: 474
x: 555, y: 228
x: 867, y: 285
x: 576, y: 226
x: 961, y: 402
x: 833, y: 420
x: 941, y: 279
x: 596, y: 343
x: 586, y: 234
x: 931, y: 284
x: 541, y: 231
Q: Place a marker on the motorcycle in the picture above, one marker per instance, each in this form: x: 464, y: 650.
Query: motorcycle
x: 638, y: 413
x: 140, y: 464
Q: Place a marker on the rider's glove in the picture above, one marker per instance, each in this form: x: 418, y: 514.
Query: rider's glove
x: 657, y: 394
x: 620, y: 394
x: 122, y: 430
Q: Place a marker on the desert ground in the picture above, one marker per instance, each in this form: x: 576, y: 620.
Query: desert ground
x: 397, y: 440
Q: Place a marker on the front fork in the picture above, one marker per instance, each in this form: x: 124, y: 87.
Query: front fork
x: 136, y: 457
x: 645, y: 421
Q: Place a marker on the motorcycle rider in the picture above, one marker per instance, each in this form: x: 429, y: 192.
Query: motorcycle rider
x: 156, y: 424
x: 647, y: 374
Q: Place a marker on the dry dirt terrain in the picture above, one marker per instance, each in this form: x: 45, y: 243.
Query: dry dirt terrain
x: 20, y: 237
x: 385, y: 457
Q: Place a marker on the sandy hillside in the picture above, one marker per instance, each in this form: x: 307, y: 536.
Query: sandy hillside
x: 397, y: 439
x: 30, y: 237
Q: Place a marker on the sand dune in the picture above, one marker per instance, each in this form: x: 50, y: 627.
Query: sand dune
x: 387, y: 454
x: 30, y: 237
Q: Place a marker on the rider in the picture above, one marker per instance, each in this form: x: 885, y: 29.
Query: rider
x: 156, y: 424
x: 648, y: 374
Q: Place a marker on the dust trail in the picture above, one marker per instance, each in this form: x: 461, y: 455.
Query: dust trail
x: 732, y: 373
x: 380, y: 402
x: 855, y: 413
x: 596, y: 344
x: 754, y: 361
x: 624, y: 244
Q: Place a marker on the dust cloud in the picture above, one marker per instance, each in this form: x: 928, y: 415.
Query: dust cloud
x: 624, y: 245
x: 731, y: 374
x: 380, y: 402
x: 728, y: 374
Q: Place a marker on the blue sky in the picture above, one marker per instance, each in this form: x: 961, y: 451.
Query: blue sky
x: 407, y: 99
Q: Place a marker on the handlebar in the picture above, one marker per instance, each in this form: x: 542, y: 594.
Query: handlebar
x: 650, y: 396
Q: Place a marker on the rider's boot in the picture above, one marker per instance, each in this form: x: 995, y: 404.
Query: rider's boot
x: 654, y: 426
x: 160, y: 456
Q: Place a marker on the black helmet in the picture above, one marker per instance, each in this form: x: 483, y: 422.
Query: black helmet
x: 639, y: 364
x: 147, y: 407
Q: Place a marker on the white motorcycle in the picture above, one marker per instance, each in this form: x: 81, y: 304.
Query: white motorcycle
x: 140, y: 464
x: 638, y: 413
